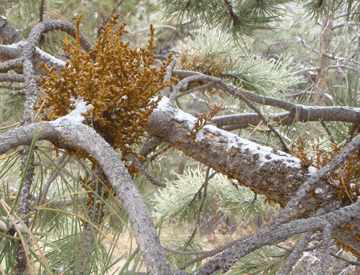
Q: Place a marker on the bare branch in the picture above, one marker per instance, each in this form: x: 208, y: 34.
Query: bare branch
x: 296, y: 253
x: 79, y: 136
x: 10, y: 51
x: 62, y: 162
x: 15, y: 78
x: 12, y: 64
x: 325, y: 260
x: 146, y: 174
x: 197, y: 223
x: 8, y: 34
x: 268, y: 235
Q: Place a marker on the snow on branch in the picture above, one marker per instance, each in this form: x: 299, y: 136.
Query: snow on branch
x: 265, y: 170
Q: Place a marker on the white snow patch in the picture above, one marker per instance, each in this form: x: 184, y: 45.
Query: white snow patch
x: 312, y: 170
x: 319, y: 191
x: 181, y: 116
x: 178, y: 115
x: 18, y: 45
x: 163, y: 104
x: 52, y: 59
x: 75, y: 116
x: 264, y: 153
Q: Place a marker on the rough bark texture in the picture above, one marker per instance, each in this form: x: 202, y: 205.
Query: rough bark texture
x: 259, y: 167
x: 269, y: 235
x: 79, y: 136
x: 265, y: 170
x: 301, y: 113
x: 325, y: 40
x: 94, y: 215
x: 8, y: 34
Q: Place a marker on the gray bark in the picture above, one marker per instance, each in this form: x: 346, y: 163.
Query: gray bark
x: 78, y: 136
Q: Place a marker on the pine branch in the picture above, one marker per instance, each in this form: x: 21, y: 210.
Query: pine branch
x: 146, y: 174
x: 79, y: 136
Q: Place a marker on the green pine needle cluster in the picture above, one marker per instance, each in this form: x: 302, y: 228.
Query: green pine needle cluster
x: 180, y: 201
x: 236, y: 17
x: 217, y: 54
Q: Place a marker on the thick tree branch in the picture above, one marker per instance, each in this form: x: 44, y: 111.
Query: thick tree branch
x: 66, y: 134
x: 8, y: 34
x: 265, y: 170
x: 15, y: 78
x: 12, y: 64
x: 302, y: 114
x: 268, y: 235
x: 296, y: 112
x: 296, y: 253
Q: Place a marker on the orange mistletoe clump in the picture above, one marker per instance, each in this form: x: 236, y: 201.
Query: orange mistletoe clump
x: 117, y: 80
x: 345, y: 178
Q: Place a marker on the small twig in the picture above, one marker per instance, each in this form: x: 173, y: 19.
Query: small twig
x: 234, y: 17
x: 345, y: 260
x: 295, y: 254
x: 62, y: 162
x: 202, y: 186
x: 332, y: 56
x: 206, y: 182
x: 146, y: 174
x: 158, y: 26
x: 346, y: 190
x: 41, y: 17
x: 192, y: 90
x: 325, y: 260
x: 327, y: 131
x: 252, y: 106
x: 162, y: 150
